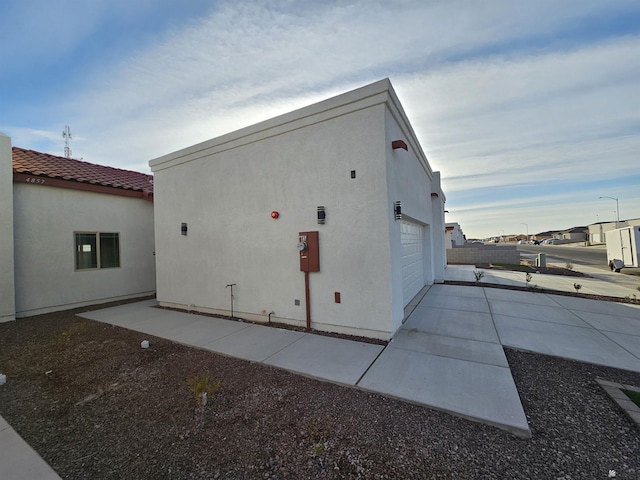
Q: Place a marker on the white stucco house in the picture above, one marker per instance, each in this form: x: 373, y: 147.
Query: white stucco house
x: 72, y: 233
x: 243, y: 209
x: 454, y: 236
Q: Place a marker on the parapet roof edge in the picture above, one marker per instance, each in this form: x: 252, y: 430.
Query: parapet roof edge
x: 341, y: 100
x: 411, y: 134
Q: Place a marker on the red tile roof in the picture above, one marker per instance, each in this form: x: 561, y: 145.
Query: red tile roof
x: 44, y: 165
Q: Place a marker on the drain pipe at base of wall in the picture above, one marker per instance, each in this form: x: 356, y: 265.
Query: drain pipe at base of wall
x: 231, y: 285
x: 307, y: 300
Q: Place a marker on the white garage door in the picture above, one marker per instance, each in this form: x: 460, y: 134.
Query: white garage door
x: 411, y: 238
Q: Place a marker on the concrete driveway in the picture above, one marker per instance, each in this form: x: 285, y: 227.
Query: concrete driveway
x: 449, y: 355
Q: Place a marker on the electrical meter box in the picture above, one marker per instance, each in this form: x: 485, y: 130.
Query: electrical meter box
x: 309, y: 249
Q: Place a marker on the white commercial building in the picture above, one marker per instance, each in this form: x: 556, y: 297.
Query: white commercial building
x: 242, y: 210
x: 73, y: 233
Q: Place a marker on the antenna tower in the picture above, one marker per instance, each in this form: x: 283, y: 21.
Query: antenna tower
x: 66, y: 134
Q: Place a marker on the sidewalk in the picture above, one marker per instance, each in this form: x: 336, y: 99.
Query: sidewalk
x: 600, y: 284
x: 18, y: 461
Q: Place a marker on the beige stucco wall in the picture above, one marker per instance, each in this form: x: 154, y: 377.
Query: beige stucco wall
x: 7, y: 293
x: 225, y: 190
x: 45, y: 221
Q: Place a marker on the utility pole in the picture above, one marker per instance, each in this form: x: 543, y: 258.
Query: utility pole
x: 66, y: 134
x: 617, y: 211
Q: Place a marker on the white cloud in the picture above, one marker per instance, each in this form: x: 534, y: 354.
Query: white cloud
x: 558, y: 112
x: 495, y: 94
x: 222, y: 71
x: 20, y: 137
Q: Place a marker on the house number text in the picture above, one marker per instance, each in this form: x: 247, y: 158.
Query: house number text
x: 37, y: 181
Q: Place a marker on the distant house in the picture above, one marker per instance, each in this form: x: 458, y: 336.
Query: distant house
x: 515, y: 238
x: 72, y: 233
x: 575, y: 234
x: 544, y: 235
x: 329, y: 216
x: 454, y: 236
x: 596, y: 231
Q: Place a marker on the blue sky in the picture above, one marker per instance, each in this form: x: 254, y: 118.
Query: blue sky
x: 530, y: 110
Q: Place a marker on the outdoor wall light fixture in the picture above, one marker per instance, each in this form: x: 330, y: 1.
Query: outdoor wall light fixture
x: 399, y: 144
x: 321, y: 215
x: 434, y: 194
x: 183, y: 229
x: 275, y: 215
x: 397, y: 210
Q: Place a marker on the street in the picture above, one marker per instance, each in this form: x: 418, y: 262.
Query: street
x: 591, y: 256
x: 594, y: 257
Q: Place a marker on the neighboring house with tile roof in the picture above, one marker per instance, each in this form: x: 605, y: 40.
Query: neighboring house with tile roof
x: 81, y: 233
x: 245, y: 208
x: 29, y: 165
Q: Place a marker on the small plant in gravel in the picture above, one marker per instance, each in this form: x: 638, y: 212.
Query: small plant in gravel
x: 478, y: 274
x: 631, y: 298
x: 203, y: 388
x: 68, y: 335
x: 577, y: 286
x: 319, y: 437
x: 568, y: 266
x: 633, y: 396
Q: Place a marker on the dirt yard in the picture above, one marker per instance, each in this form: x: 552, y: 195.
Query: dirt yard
x: 95, y: 405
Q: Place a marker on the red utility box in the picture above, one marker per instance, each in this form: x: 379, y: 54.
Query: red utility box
x: 309, y: 249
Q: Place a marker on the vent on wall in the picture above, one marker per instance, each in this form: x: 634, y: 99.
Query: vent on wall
x: 399, y: 144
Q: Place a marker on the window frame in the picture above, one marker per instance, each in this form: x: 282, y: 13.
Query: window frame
x: 97, y: 253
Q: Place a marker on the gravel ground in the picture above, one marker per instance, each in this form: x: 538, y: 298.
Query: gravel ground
x: 108, y: 409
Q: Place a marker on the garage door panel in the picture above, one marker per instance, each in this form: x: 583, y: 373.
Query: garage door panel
x: 411, y: 239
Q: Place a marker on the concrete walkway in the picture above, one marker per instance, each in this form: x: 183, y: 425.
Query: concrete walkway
x: 448, y: 354
x: 18, y: 461
x: 461, y: 369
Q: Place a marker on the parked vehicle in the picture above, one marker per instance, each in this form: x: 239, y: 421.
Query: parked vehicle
x: 622, y: 247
